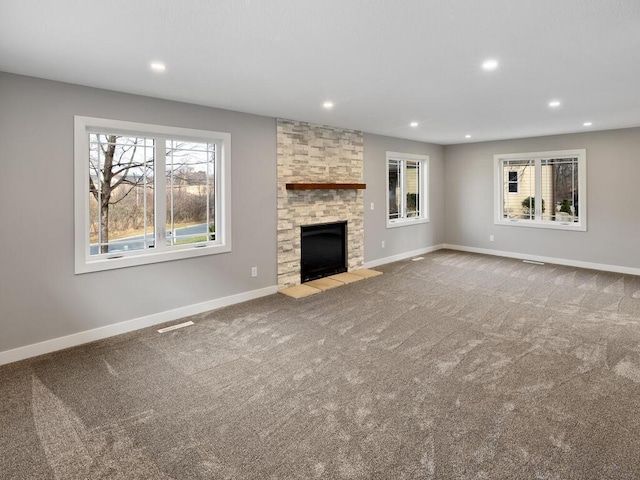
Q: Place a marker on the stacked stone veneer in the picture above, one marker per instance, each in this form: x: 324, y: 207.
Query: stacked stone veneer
x: 310, y: 153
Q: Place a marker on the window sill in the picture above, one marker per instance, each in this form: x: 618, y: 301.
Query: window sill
x: 405, y: 222
x: 576, y: 227
x: 131, y: 259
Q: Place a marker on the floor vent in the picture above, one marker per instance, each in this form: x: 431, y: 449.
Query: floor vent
x: 175, y: 327
x: 533, y: 262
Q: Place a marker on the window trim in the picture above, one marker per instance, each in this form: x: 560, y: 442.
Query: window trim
x: 84, y: 262
x: 424, y: 193
x: 537, y: 157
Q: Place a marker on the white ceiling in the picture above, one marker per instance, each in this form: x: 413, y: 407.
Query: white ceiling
x: 385, y: 63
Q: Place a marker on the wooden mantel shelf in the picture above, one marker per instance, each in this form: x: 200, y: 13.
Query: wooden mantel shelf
x: 326, y: 186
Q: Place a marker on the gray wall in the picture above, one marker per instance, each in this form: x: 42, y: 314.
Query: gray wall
x: 613, y: 194
x: 40, y: 297
x: 403, y: 239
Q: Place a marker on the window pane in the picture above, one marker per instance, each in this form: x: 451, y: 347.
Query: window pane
x: 576, y: 193
x: 412, y: 188
x: 121, y: 193
x: 394, y: 189
x: 560, y: 189
x: 513, y: 181
x: 190, y: 192
x: 518, y: 191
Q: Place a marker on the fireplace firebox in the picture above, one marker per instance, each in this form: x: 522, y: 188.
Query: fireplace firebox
x: 323, y: 250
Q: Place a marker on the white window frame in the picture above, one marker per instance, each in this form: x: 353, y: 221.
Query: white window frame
x: 424, y: 190
x: 84, y: 262
x: 537, y: 157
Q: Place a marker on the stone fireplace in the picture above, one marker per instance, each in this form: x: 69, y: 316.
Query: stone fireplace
x: 316, y: 154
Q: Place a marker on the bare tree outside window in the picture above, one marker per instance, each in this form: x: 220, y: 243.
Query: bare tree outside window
x: 120, y: 166
x: 122, y: 196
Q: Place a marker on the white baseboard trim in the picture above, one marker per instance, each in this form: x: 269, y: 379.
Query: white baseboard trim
x: 48, y: 346
x: 540, y: 258
x: 60, y: 343
x: 402, y: 256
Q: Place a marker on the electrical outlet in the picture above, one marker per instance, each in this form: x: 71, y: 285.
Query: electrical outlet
x: 371, y: 205
x: 254, y: 271
x: 491, y: 238
x: 382, y: 243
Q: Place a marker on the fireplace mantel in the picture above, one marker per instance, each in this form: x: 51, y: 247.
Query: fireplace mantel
x: 326, y: 186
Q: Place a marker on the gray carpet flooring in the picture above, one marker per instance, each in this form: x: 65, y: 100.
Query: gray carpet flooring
x: 457, y: 366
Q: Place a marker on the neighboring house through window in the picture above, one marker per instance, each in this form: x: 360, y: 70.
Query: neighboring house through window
x: 542, y: 189
x: 148, y: 193
x: 513, y: 181
x: 407, y: 176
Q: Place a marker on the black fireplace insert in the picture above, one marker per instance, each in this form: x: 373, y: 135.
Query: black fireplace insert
x: 324, y: 250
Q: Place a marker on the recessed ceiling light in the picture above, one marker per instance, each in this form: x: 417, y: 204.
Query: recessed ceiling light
x: 327, y: 105
x: 489, y: 65
x: 414, y: 124
x: 158, y: 66
x: 587, y: 124
x: 554, y: 103
x: 467, y: 136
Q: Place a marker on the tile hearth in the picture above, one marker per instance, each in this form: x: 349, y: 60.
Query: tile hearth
x: 327, y: 283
